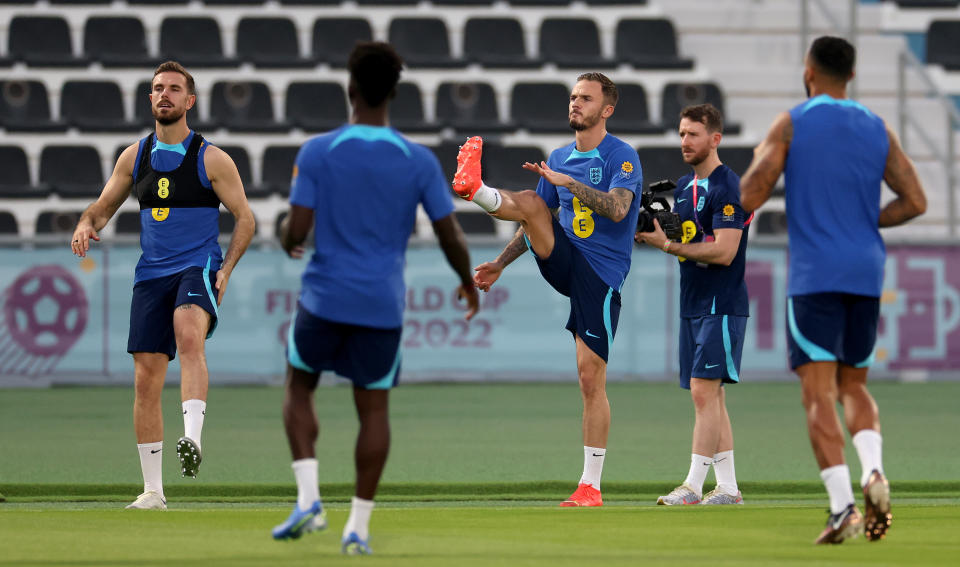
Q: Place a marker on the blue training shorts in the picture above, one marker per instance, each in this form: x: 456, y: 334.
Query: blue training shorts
x: 151, y: 309
x: 711, y: 347
x: 827, y: 327
x: 368, y: 356
x: 594, y: 305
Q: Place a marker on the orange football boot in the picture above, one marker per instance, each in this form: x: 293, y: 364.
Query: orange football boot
x: 585, y: 495
x: 467, y: 181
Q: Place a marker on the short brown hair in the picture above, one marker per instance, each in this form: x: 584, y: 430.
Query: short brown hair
x: 610, y: 93
x: 706, y: 114
x: 174, y: 67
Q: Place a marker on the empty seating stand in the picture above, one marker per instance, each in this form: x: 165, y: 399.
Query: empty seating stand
x: 42, y: 41
x: 540, y: 107
x: 244, y: 106
x: 631, y: 115
x: 423, y: 42
x: 72, y: 171
x: 25, y: 107
x: 117, y: 41
x: 497, y: 43
x: 406, y: 110
x: 15, y: 181
x: 649, y: 44
x: 57, y: 222
x: 278, y: 162
x: 943, y: 44
x: 194, y: 42
x: 270, y: 42
x: 572, y: 43
x: 469, y: 107
x: 8, y: 223
x: 316, y: 106
x: 677, y: 96
x: 94, y: 106
x: 334, y: 38
x: 662, y: 162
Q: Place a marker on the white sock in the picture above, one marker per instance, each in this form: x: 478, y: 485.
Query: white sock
x: 193, y: 413
x: 699, y: 467
x: 592, y: 465
x: 308, y: 491
x: 726, y: 473
x: 488, y: 198
x: 837, y: 481
x: 151, y: 465
x: 359, y: 520
x: 869, y: 446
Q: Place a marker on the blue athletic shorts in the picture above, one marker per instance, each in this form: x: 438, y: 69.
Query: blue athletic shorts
x: 594, y: 306
x: 711, y: 347
x: 151, y: 309
x: 839, y: 327
x: 368, y: 356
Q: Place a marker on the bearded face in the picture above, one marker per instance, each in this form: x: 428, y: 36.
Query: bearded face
x: 580, y: 122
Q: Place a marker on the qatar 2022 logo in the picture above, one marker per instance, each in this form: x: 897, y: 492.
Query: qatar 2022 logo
x: 44, y: 312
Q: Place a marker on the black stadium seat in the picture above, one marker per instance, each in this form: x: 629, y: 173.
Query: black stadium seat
x: 334, y: 38
x: 469, y: 107
x: 928, y: 3
x: 737, y: 158
x: 270, y: 42
x: 117, y: 41
x: 632, y: 112
x: 572, y: 42
x: 278, y: 164
x: 241, y: 158
x: 943, y: 44
x: 42, y: 41
x: 771, y: 222
x: 662, y: 162
x: 496, y: 42
x: 244, y: 106
x: 476, y: 222
x: 8, y: 223
x: 57, y: 222
x: 649, y: 44
x: 423, y: 42
x: 503, y: 166
x: 128, y: 222
x: 406, y: 110
x: 15, y: 181
x: 72, y: 171
x: 316, y: 106
x: 446, y: 153
x: 540, y: 107
x: 25, y: 107
x: 677, y: 96
x: 94, y: 106
x: 193, y: 41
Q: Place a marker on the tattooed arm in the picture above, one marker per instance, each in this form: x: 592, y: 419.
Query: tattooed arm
x: 769, y: 159
x: 901, y: 176
x: 613, y: 205
x: 488, y: 272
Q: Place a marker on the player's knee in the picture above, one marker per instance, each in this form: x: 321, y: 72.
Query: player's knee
x: 592, y: 383
x: 529, y: 203
x: 190, y: 346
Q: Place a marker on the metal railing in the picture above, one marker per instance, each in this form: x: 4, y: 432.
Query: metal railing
x: 850, y: 30
x: 908, y: 60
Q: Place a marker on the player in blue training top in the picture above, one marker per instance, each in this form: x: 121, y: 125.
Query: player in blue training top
x: 713, y: 300
x: 359, y: 187
x: 583, y: 251
x: 835, y: 154
x: 180, y: 181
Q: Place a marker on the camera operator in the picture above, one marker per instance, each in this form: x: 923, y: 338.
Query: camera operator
x: 713, y: 300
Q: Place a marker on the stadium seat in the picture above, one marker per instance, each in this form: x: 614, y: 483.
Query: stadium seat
x: 143, y: 115
x: 193, y: 41
x: 928, y: 3
x: 244, y: 106
x: 68, y: 1
x: 117, y: 41
x: 462, y: 2
x: 554, y: 3
x: 316, y: 106
x: 632, y: 115
x: 15, y: 181
x: 270, y: 42
x: 572, y: 43
x: 25, y: 107
x: 476, y: 222
x: 423, y: 42
x: 94, y: 106
x: 334, y: 38
x: 496, y: 42
x: 278, y: 164
x: 503, y: 166
x: 241, y: 158
x: 469, y: 107
x: 446, y: 153
x: 233, y: 2
x: 387, y: 2
x: 128, y: 222
x: 677, y: 96
x: 664, y: 162
x: 8, y: 223
x: 737, y: 158
x: 771, y: 222
x: 57, y: 222
x: 406, y: 110
x: 615, y: 2
x: 42, y: 41
x: 309, y: 2
x: 540, y: 107
x: 943, y: 44
x: 649, y: 44
x: 156, y: 2
x: 72, y: 171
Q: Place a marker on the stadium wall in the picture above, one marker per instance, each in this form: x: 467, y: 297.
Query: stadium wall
x: 65, y: 321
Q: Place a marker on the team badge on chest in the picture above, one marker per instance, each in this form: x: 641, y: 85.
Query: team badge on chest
x: 596, y: 175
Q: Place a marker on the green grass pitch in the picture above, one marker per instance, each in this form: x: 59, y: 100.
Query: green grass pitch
x: 474, y: 477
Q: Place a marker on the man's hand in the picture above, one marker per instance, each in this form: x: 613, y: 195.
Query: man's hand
x: 469, y: 293
x: 543, y: 170
x: 81, y: 239
x: 486, y: 274
x: 657, y: 238
x: 223, y: 277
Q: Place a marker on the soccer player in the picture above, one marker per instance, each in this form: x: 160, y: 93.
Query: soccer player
x: 583, y: 251
x: 713, y: 300
x: 180, y: 180
x: 835, y: 153
x: 359, y: 186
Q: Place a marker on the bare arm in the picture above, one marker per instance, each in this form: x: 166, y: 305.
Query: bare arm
x: 488, y: 272
x: 613, y: 205
x: 902, y: 178
x: 769, y: 159
x: 454, y: 245
x: 226, y: 183
x: 294, y: 229
x: 722, y: 250
x: 114, y: 193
